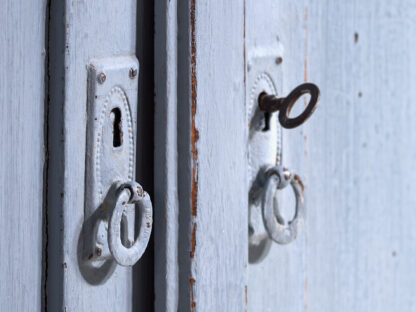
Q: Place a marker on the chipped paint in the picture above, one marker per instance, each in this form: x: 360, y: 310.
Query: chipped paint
x: 193, y: 241
x: 298, y: 179
x: 193, y: 304
x: 194, y: 130
x: 194, y: 140
x: 245, y: 291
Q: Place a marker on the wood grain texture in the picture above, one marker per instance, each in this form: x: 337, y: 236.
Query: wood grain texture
x: 212, y: 157
x: 200, y: 160
x: 22, y: 63
x: 356, y: 156
x: 80, y: 31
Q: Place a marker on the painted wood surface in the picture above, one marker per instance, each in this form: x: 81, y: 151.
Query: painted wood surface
x: 213, y: 245
x: 22, y: 102
x: 200, y: 164
x: 356, y: 156
x: 166, y: 213
x: 80, y: 31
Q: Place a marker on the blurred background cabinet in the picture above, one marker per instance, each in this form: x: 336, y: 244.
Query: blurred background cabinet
x: 355, y: 155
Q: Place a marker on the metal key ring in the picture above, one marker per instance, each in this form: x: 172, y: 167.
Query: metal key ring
x: 277, y: 178
x: 130, y: 193
x: 290, y: 100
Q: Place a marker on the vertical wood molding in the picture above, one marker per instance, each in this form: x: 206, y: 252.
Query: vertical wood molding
x: 200, y: 159
x: 22, y: 152
x: 166, y: 208
x: 80, y: 31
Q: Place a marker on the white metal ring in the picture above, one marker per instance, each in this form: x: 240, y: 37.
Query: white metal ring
x: 130, y: 193
x: 276, y: 229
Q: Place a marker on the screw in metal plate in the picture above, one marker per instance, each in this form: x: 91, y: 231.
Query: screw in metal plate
x: 101, y: 78
x: 248, y: 66
x: 133, y: 73
x: 286, y: 173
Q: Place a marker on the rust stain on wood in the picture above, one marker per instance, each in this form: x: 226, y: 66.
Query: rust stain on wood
x: 194, y: 175
x: 245, y: 290
x: 193, y: 304
x: 193, y: 241
x: 194, y: 130
x: 297, y: 178
x: 194, y: 140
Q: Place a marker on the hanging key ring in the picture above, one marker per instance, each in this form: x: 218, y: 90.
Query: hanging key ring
x: 269, y: 103
x: 278, y: 178
x: 130, y: 193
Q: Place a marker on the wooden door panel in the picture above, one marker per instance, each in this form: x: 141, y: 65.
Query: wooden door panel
x: 80, y: 32
x: 200, y: 160
x: 355, y: 156
x: 22, y: 153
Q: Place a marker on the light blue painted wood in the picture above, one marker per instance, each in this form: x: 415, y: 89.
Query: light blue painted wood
x: 80, y: 31
x: 211, y: 197
x: 213, y: 244
x: 356, y: 156
x: 200, y: 159
x: 166, y: 261
x: 22, y: 102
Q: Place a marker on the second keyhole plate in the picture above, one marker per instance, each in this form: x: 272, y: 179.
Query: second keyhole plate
x: 264, y: 148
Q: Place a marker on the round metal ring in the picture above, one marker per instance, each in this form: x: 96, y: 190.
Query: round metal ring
x: 130, y: 193
x: 290, y: 100
x: 274, y: 224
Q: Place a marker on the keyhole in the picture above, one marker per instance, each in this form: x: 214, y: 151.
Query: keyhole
x: 117, y: 132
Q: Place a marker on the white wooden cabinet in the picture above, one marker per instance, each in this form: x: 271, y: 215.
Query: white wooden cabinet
x: 22, y: 153
x: 355, y: 155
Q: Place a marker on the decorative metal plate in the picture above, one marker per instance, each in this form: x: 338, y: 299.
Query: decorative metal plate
x: 110, y: 154
x: 263, y: 147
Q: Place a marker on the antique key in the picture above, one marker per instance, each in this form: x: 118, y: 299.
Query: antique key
x: 269, y: 104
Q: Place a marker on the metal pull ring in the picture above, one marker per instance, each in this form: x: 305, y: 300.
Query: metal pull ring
x: 278, y: 178
x: 271, y: 103
x: 130, y: 193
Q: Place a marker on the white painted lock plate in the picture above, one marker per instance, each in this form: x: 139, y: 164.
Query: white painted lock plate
x: 264, y: 74
x: 111, y: 142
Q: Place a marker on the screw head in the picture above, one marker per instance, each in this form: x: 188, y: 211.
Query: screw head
x: 133, y: 73
x: 98, y: 251
x: 101, y: 78
x: 279, y: 60
x: 248, y: 66
x: 286, y: 173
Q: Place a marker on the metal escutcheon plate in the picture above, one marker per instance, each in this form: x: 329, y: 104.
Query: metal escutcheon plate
x: 263, y: 147
x: 110, y: 154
